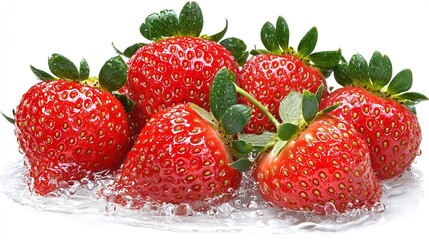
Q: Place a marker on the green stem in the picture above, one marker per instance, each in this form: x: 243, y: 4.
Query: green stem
x: 257, y: 104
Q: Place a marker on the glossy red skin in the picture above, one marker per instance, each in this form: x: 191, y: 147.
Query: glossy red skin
x: 269, y: 78
x: 327, y: 162
x: 391, y: 131
x: 177, y: 158
x: 69, y: 131
x: 175, y: 70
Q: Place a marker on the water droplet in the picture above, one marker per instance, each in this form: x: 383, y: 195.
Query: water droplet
x: 147, y: 207
x: 167, y: 209
x: 330, y: 209
x: 259, y: 213
x: 238, y: 203
x: 378, y: 207
x: 110, y: 208
x: 223, y: 211
x: 419, y: 152
x: 129, y: 201
x: 183, y: 210
x: 90, y: 186
x: 253, y: 205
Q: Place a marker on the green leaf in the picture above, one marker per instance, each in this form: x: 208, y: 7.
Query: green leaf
x: 342, y: 75
x: 290, y: 108
x: 62, y: 67
x: 331, y: 108
x: 235, y: 118
x: 242, y: 164
x: 319, y: 92
x: 191, y: 20
x: 286, y: 131
x: 327, y: 59
x: 126, y: 102
x: 282, y: 33
x: 359, y: 71
x: 380, y: 70
x: 325, y: 72
x: 277, y: 148
x: 402, y: 82
x: 207, y: 116
x: 162, y: 24
x: 131, y: 50
x: 222, y: 92
x: 269, y: 38
x: 258, y: 140
x: 218, y: 36
x: 242, y: 146
x: 9, y: 119
x: 83, y: 70
x: 113, y: 75
x: 237, y: 48
x: 308, y: 43
x: 310, y: 106
x: 41, y: 75
x: 411, y: 98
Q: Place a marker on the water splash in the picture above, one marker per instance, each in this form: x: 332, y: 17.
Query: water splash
x: 246, y: 213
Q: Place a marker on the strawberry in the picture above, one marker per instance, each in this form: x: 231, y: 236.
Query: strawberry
x: 183, y: 156
x: 313, y: 161
x: 272, y: 73
x: 178, y: 66
x: 381, y: 110
x: 68, y: 129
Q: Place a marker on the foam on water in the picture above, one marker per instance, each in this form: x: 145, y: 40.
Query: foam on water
x: 246, y: 213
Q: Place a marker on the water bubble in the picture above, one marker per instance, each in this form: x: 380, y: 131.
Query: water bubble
x: 259, y: 213
x: 167, y: 209
x: 147, y: 207
x: 90, y: 186
x: 253, y: 205
x: 238, y: 203
x: 183, y: 210
x: 129, y: 201
x: 110, y: 208
x: 419, y: 152
x: 378, y: 207
x: 64, y: 193
x: 330, y: 209
x: 224, y: 211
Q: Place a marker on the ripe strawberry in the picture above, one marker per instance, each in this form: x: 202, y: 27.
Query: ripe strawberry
x: 271, y: 74
x: 313, y: 159
x: 179, y: 65
x: 68, y: 129
x: 182, y: 155
x: 328, y: 162
x: 381, y: 111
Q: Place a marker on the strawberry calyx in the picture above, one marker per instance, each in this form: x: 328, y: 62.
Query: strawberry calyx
x: 112, y: 76
x: 226, y: 115
x: 276, y: 41
x: 189, y: 22
x: 297, y: 111
x: 376, y: 77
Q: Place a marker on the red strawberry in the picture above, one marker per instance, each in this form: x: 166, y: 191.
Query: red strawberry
x: 271, y: 74
x: 313, y: 159
x: 179, y: 66
x: 182, y: 155
x: 381, y: 110
x: 68, y: 129
x: 328, y: 162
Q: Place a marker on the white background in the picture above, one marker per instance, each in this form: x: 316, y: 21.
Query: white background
x: 32, y: 30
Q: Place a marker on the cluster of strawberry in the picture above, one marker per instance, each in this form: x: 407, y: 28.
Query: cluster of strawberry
x: 188, y: 114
